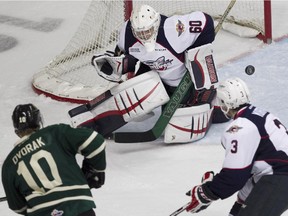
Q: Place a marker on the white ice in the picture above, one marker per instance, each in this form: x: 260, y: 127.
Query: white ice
x: 142, y: 178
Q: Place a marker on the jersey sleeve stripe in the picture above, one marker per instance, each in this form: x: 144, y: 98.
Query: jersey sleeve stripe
x: 97, y: 151
x: 57, y: 189
x: 20, y: 211
x: 87, y: 142
x: 53, y: 203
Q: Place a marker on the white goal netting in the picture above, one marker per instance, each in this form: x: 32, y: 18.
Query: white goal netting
x: 70, y: 75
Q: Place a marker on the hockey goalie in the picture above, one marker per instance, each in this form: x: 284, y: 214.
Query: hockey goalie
x: 158, y: 50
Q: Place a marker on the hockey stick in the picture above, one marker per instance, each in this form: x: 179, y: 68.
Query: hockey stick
x: 163, y: 120
x: 91, y: 104
x: 224, y: 16
x: 178, y: 211
x: 3, y: 199
x: 171, y: 106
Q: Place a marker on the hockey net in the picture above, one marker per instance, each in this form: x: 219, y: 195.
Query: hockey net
x: 70, y: 75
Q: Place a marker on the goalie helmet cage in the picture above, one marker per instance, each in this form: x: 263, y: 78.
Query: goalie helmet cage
x: 70, y: 75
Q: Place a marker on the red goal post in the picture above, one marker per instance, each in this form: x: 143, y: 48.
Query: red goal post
x: 70, y: 75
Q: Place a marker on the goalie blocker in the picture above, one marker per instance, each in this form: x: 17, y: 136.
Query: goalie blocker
x: 189, y: 124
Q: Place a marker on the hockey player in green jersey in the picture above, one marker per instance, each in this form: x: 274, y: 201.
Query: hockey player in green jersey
x: 41, y: 176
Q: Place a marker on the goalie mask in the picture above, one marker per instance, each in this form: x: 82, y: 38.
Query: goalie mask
x: 232, y: 93
x: 145, y: 23
x: 25, y: 118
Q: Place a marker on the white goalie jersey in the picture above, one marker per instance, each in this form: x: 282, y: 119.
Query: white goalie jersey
x: 176, y: 34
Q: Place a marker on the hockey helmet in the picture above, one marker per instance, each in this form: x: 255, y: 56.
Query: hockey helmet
x: 232, y: 93
x: 25, y: 117
x: 145, y: 23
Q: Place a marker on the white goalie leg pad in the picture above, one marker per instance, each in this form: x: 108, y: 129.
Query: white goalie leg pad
x: 135, y: 97
x: 144, y: 94
x: 200, y: 63
x: 188, y: 124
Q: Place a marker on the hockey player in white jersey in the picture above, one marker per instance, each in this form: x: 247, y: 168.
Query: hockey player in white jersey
x: 256, y: 159
x: 160, y: 44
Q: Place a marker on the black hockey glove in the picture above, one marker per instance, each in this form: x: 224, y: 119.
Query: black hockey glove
x: 94, y: 178
x: 202, y: 96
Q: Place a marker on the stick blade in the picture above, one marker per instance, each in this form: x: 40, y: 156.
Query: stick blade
x: 78, y: 110
x: 134, y: 137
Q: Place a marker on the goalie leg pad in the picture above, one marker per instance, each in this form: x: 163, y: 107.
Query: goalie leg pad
x: 199, y: 62
x: 78, y: 120
x: 131, y: 99
x: 188, y: 124
x: 146, y: 93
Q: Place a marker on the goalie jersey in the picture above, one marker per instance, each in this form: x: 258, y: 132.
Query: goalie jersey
x: 175, y: 35
x: 41, y: 172
x: 256, y: 144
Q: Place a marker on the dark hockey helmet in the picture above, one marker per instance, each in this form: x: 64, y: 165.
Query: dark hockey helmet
x: 26, y: 118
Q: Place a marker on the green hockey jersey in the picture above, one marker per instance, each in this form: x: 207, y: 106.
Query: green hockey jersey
x: 41, y: 176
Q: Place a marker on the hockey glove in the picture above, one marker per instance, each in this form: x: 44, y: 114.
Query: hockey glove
x: 112, y: 67
x: 94, y: 177
x: 208, y: 176
x: 199, y: 201
x: 203, y: 96
x: 201, y: 195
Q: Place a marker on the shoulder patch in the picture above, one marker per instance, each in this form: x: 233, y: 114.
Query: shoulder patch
x: 234, y: 129
x: 180, y: 28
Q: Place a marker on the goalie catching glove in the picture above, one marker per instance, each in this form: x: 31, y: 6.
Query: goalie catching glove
x: 112, y: 67
x: 94, y: 177
x: 201, y: 195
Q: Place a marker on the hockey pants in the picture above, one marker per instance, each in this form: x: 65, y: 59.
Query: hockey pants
x: 269, y: 197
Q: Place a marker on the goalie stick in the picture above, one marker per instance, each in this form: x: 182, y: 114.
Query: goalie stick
x: 91, y: 104
x: 163, y: 120
x: 117, y: 122
x: 3, y: 199
x: 170, y: 108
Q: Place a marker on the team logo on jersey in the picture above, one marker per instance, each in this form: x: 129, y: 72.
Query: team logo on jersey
x: 180, y: 28
x: 56, y: 212
x: 160, y: 64
x: 234, y: 129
